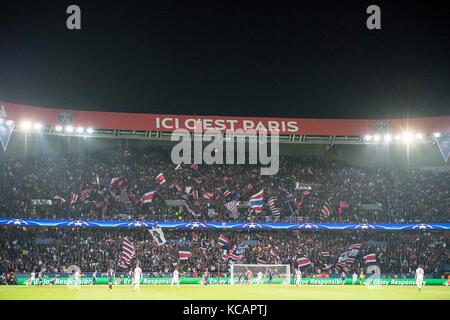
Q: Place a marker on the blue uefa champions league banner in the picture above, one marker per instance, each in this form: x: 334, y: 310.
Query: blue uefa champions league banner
x: 219, y: 225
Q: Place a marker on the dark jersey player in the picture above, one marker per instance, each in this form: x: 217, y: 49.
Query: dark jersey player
x: 111, y: 275
x: 270, y: 274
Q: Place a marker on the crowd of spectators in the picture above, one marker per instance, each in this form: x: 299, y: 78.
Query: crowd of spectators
x: 395, y: 195
x: 52, y: 250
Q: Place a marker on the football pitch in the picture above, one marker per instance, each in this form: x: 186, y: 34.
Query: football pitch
x: 224, y: 292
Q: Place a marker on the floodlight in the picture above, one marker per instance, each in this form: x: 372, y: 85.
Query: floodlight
x: 25, y: 125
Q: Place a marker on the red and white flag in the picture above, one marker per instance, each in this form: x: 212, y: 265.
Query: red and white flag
x: 147, y: 197
x: 160, y: 178
x: 207, y: 195
x: 370, y: 258
x: 127, y: 254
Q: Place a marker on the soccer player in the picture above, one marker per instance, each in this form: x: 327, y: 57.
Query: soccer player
x: 32, y: 279
x: 419, y: 277
x: 249, y: 276
x: 259, y: 278
x: 137, y: 277
x: 354, y: 278
x: 206, y: 273
x: 130, y: 277
x: 298, y: 275
x: 270, y: 276
x: 40, y: 278
x: 77, y: 278
x: 111, y: 275
x: 343, y: 276
x: 94, y: 277
x: 362, y: 276
x: 240, y: 279
x: 175, y: 278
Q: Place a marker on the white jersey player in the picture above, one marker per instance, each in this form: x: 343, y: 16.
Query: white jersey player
x: 175, y: 278
x: 259, y: 278
x: 77, y: 278
x: 298, y: 277
x: 419, y: 277
x: 137, y: 278
x: 32, y: 279
x: 354, y: 278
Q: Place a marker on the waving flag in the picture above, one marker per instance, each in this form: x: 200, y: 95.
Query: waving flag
x: 158, y: 235
x: 59, y: 199
x: 160, y: 178
x: 232, y: 208
x: 127, y: 254
x: 325, y: 253
x: 178, y: 187
x: 207, y: 195
x: 147, y: 197
x: 326, y: 211
x: 370, y: 258
x: 261, y: 261
x: 183, y: 254
x: 73, y: 199
x: 226, y: 193
x: 355, y: 246
x: 272, y: 206
x: 178, y: 167
x: 223, y: 241
x: 257, y: 201
x: 194, y: 166
x: 303, y: 261
x: 195, y: 194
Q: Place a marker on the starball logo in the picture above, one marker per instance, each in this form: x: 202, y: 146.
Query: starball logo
x: 237, y: 146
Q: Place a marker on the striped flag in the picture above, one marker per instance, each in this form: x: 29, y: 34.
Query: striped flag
x: 354, y: 246
x: 257, y: 201
x: 226, y: 193
x: 272, y: 206
x: 160, y: 178
x: 147, y: 197
x: 183, y: 254
x: 325, y: 253
x: 223, y: 241
x: 232, y: 207
x: 73, y: 199
x: 207, y: 195
x: 261, y: 261
x: 195, y: 194
x: 127, y: 254
x: 59, y: 199
x: 370, y: 258
x: 178, y: 187
x: 178, y: 167
x: 303, y: 261
x: 326, y: 211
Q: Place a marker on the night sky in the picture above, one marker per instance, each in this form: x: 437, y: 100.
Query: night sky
x: 261, y: 58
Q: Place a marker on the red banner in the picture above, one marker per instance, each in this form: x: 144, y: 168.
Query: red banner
x: 168, y: 123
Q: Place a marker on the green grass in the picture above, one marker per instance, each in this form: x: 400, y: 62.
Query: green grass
x: 223, y: 292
